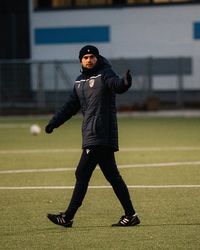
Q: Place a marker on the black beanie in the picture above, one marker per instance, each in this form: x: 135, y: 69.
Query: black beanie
x: 88, y: 49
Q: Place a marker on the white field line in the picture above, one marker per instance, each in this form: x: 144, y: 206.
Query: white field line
x: 14, y: 125
x: 19, y: 171
x: 75, y: 150
x: 163, y: 164
x: 160, y: 149
x: 101, y: 187
x: 41, y: 151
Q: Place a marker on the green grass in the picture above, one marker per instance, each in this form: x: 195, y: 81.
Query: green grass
x: 170, y: 216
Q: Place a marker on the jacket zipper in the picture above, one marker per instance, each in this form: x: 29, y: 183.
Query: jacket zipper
x: 83, y: 94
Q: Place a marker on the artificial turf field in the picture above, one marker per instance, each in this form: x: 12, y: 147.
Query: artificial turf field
x: 159, y: 159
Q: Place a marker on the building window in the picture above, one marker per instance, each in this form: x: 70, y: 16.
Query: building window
x: 86, y: 3
x: 64, y: 4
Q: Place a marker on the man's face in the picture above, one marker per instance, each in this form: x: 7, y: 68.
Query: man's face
x: 88, y: 61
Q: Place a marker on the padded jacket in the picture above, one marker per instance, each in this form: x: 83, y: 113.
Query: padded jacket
x: 94, y: 94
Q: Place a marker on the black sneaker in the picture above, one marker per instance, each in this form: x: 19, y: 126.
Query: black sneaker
x: 127, y: 221
x: 60, y: 219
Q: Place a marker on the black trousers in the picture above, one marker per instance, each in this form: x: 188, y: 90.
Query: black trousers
x: 104, y: 156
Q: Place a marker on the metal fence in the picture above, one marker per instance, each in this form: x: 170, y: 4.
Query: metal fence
x: 42, y: 86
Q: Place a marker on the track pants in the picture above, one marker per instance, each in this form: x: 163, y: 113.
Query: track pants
x: 104, y: 156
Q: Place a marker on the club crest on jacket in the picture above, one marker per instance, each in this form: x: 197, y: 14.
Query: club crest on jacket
x: 91, y: 83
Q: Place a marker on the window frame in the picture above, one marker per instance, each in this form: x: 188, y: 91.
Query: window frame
x: 109, y: 6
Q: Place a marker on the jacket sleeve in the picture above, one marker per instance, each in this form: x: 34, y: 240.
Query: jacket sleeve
x: 70, y: 108
x: 113, y: 82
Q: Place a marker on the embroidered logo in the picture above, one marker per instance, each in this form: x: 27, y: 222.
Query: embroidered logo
x: 87, y: 151
x: 91, y: 83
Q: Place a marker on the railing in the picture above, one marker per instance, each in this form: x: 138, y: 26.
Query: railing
x: 42, y: 86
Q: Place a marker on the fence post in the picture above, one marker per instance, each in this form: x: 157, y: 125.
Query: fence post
x: 149, y: 74
x: 56, y: 84
x: 179, y: 94
x: 1, y: 99
x: 40, y: 90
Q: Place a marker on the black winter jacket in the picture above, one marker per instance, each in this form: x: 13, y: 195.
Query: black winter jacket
x: 94, y: 93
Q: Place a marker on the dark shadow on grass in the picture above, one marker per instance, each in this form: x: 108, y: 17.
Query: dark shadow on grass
x: 60, y: 229
x: 170, y: 224
x: 138, y: 226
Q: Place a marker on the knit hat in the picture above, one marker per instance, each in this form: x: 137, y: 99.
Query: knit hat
x: 88, y: 49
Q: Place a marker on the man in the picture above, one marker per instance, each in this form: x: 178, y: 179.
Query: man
x: 94, y: 94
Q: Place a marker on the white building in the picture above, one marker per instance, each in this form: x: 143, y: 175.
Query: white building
x: 163, y: 33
